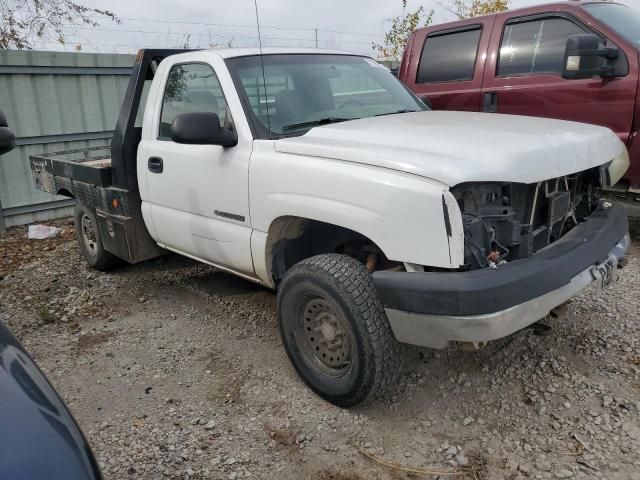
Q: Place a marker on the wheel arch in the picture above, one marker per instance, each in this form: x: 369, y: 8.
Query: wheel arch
x: 291, y: 239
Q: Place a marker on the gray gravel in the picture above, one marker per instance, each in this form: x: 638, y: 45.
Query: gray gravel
x: 175, y: 370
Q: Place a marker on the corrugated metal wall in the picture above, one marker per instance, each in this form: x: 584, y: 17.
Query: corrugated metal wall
x: 54, y: 101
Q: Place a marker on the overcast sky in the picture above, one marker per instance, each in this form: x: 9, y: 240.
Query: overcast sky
x: 342, y: 24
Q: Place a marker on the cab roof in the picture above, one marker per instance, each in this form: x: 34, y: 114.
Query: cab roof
x: 572, y: 3
x: 247, y: 52
x: 524, y: 10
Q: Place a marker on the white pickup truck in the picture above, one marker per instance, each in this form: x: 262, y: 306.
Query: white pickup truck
x: 378, y: 222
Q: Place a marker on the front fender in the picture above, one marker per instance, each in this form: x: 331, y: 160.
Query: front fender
x: 403, y: 214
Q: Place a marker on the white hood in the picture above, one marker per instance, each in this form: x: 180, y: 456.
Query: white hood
x: 457, y: 147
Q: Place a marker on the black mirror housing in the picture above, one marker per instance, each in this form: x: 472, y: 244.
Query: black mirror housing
x: 201, y: 128
x: 584, y: 58
x: 7, y: 137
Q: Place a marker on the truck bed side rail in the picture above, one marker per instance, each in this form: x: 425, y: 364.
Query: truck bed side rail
x: 89, y: 165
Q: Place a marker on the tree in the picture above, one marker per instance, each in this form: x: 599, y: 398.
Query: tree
x: 24, y: 21
x: 176, y: 84
x: 475, y: 8
x: 401, y: 27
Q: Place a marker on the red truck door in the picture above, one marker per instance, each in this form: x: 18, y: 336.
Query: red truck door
x: 523, y: 73
x: 446, y: 63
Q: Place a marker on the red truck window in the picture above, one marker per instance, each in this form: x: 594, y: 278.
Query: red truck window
x: 449, y: 56
x: 536, y: 46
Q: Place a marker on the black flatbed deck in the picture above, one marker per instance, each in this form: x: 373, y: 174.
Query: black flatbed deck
x: 89, y: 165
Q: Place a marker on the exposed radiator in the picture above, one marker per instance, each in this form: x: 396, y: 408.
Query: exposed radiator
x: 558, y: 207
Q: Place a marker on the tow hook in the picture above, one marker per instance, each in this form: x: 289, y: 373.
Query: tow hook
x: 605, y: 274
x: 494, y: 260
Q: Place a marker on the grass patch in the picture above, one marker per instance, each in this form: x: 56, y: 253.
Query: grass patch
x: 88, y: 341
x: 45, y: 315
x: 282, y: 436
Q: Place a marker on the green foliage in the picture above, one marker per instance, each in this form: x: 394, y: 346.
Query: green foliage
x: 475, y: 8
x: 45, y: 315
x: 401, y: 27
x: 176, y: 85
x: 24, y: 21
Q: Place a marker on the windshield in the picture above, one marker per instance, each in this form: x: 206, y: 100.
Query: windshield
x: 622, y: 19
x: 306, y: 90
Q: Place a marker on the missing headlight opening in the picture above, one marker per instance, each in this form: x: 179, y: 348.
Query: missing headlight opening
x: 509, y: 221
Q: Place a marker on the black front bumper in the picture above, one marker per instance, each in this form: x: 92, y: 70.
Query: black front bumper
x: 485, y: 291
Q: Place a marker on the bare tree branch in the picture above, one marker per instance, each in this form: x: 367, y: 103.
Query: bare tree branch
x: 22, y: 22
x: 396, y: 38
x: 401, y: 27
x: 475, y: 8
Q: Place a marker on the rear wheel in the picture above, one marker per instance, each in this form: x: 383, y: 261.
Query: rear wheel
x: 335, y: 330
x: 89, y: 241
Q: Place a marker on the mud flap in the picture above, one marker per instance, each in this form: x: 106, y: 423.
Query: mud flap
x: 127, y: 238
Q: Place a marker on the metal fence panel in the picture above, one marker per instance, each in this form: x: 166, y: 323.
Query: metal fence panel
x: 54, y: 101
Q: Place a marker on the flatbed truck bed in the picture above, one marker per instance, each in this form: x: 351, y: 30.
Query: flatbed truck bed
x: 104, y: 178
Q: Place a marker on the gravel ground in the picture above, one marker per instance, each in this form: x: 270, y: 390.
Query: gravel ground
x: 175, y: 370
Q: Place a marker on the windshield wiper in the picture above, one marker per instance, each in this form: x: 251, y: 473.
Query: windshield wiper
x: 404, y: 110
x: 315, y: 123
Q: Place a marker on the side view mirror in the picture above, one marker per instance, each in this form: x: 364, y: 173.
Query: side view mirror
x: 585, y: 58
x: 7, y: 137
x: 202, y: 128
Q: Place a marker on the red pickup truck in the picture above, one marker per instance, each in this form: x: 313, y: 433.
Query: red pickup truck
x: 575, y: 60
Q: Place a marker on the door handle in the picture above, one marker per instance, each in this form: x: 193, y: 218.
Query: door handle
x: 155, y: 165
x: 490, y: 102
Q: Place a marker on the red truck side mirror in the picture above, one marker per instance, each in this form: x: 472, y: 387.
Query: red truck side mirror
x: 7, y: 137
x: 585, y: 58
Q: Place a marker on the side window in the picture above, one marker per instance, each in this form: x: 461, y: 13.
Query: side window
x: 535, y: 47
x: 449, y: 57
x: 190, y: 88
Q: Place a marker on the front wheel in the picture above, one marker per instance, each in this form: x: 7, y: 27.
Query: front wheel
x: 335, y: 330
x: 89, y: 241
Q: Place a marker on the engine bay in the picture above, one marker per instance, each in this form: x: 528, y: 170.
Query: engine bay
x: 509, y: 221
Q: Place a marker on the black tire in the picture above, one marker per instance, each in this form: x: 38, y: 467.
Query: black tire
x: 91, y: 243
x: 334, y: 297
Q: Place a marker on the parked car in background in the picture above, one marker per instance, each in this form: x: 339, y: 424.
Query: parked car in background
x: 574, y: 60
x: 376, y: 220
x: 39, y: 439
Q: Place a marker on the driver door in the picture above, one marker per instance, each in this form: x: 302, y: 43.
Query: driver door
x: 524, y: 75
x: 198, y: 193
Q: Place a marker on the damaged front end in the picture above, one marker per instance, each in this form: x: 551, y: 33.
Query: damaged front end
x: 509, y: 221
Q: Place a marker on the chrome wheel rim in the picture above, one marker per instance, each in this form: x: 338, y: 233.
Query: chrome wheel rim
x: 325, y: 336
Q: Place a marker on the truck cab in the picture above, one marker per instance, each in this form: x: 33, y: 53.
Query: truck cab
x: 515, y: 62
x: 318, y: 174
